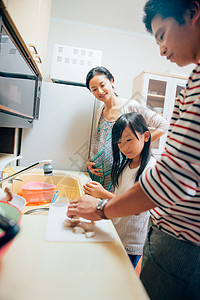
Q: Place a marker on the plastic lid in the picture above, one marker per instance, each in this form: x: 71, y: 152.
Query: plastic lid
x: 37, y: 185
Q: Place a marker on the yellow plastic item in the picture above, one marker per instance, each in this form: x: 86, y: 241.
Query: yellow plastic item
x: 68, y: 185
x: 9, y: 170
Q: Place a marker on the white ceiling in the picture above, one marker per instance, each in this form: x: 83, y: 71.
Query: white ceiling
x: 119, y: 14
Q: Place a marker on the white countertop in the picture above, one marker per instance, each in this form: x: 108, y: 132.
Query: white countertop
x: 36, y: 269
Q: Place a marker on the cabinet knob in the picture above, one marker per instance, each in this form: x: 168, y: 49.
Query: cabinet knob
x: 38, y: 59
x: 33, y: 49
x: 35, y: 54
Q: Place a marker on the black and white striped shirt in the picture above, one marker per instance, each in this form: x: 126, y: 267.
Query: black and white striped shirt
x: 174, y: 183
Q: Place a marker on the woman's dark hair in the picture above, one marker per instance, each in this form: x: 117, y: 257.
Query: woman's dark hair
x: 98, y: 71
x: 165, y: 8
x: 120, y: 161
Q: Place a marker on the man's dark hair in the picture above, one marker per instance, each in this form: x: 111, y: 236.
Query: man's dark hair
x: 165, y: 8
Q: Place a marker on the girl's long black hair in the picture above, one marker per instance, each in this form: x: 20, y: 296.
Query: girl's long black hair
x: 120, y: 161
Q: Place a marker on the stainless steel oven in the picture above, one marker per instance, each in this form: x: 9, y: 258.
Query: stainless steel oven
x: 20, y: 83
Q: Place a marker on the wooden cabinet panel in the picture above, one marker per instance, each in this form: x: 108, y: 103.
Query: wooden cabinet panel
x: 158, y: 92
x: 32, y: 21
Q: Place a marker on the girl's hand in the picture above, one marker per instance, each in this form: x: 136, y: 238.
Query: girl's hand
x: 90, y: 165
x: 94, y: 189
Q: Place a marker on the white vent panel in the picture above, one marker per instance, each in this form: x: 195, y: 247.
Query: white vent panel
x: 71, y: 64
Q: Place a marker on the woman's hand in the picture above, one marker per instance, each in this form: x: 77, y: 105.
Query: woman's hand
x: 84, y: 207
x: 92, y: 169
x: 94, y: 189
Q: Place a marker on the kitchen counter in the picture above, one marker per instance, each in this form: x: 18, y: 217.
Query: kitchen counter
x: 35, y: 269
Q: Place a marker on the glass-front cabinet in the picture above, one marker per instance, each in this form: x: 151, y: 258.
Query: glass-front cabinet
x: 158, y: 92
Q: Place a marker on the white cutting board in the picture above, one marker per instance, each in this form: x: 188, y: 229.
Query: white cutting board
x: 56, y: 232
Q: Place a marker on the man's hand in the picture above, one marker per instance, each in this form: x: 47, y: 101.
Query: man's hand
x: 84, y: 207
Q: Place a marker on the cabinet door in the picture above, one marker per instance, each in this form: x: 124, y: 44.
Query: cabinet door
x: 32, y: 21
x: 176, y: 86
x: 5, y: 2
x: 156, y: 89
x: 158, y: 92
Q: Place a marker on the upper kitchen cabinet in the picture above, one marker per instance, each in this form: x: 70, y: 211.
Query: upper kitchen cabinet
x: 32, y: 21
x: 158, y: 92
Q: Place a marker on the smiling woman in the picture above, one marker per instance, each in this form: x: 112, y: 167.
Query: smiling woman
x: 101, y: 83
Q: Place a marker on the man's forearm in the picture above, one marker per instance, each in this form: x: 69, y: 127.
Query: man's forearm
x: 132, y: 202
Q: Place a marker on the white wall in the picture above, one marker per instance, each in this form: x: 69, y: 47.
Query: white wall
x: 125, y: 53
x: 63, y: 130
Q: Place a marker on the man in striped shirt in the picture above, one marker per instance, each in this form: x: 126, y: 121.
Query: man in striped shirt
x: 171, y: 260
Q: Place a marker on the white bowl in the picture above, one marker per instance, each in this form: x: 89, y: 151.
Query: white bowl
x: 159, y: 110
x: 18, y: 201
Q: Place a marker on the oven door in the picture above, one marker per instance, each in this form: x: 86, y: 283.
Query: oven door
x: 19, y: 84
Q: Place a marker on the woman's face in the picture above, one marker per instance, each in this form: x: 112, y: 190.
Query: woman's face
x: 101, y: 87
x: 130, y: 146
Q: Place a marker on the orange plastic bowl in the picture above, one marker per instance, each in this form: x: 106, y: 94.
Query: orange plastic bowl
x: 37, y: 193
x: 11, y: 212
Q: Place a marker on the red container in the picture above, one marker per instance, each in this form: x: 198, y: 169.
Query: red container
x: 37, y: 193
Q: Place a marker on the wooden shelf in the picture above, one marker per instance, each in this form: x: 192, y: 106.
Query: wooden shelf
x: 156, y: 96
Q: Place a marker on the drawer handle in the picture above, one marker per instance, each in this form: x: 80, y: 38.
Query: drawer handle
x: 38, y: 59
x: 34, y: 51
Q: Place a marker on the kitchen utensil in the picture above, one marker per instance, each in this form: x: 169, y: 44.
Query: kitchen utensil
x: 34, y: 210
x: 55, y: 197
x: 10, y: 218
x: 159, y: 110
x: 36, y: 192
x: 18, y: 201
x: 43, y: 208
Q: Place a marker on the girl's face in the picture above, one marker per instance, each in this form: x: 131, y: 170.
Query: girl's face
x: 130, y: 146
x: 101, y: 87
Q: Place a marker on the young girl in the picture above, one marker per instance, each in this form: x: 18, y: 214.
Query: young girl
x: 131, y: 156
x: 100, y: 82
